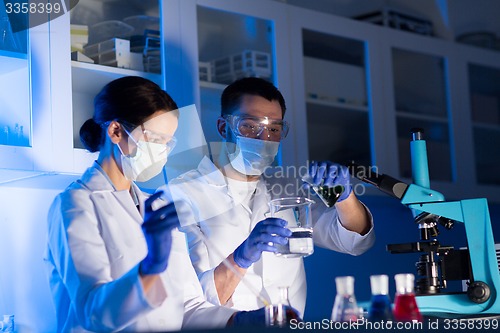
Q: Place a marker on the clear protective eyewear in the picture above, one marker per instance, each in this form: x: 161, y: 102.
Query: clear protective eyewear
x: 253, y: 127
x: 150, y: 136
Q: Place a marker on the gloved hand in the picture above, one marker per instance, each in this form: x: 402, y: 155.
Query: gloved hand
x: 331, y: 174
x: 258, y: 317
x: 157, y: 229
x: 271, y: 230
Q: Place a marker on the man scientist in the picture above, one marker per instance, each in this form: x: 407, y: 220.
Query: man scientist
x: 228, y: 196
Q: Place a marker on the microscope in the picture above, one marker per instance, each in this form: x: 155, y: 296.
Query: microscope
x: 437, y: 264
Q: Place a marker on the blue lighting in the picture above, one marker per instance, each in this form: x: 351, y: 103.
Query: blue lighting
x: 250, y: 27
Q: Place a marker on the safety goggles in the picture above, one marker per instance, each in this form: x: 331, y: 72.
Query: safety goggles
x: 253, y: 127
x: 140, y: 133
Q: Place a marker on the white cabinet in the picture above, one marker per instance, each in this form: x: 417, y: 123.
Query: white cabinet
x: 123, y: 39
x: 336, y: 96
x: 230, y: 40
x: 353, y: 89
x: 359, y: 89
x: 15, y: 92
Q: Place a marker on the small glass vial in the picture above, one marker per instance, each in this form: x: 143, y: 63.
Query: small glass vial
x: 276, y: 314
x: 405, y: 303
x: 8, y: 324
x: 380, y: 307
x: 345, y: 307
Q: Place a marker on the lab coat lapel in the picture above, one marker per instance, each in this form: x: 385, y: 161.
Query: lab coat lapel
x: 260, y: 203
x: 105, y: 197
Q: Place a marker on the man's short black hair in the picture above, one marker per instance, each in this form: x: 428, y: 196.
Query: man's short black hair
x: 232, y: 95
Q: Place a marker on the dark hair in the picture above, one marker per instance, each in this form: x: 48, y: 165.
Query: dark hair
x: 231, y: 96
x: 129, y: 99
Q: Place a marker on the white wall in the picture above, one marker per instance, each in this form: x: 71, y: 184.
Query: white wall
x: 24, y: 288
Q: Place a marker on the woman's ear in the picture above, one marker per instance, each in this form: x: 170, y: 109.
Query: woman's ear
x: 222, y: 127
x: 114, y: 131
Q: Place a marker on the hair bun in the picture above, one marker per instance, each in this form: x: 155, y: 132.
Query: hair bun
x: 91, y: 135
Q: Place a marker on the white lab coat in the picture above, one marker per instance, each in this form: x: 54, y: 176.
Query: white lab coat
x: 227, y: 224
x: 95, y: 245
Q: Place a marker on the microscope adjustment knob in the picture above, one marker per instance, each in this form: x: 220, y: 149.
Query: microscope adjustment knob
x: 478, y: 292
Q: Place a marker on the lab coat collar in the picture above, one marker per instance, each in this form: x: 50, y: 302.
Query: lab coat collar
x: 97, y: 181
x: 211, y: 173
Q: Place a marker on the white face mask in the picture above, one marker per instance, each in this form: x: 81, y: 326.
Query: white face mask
x: 253, y: 156
x: 148, y: 161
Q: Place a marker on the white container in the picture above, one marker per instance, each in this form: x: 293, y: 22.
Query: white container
x: 243, y: 64
x: 334, y: 81
x: 205, y: 70
x: 113, y: 52
x: 79, y: 37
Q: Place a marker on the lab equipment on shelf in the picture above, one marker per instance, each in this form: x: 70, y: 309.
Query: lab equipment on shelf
x: 7, y: 324
x: 243, y: 64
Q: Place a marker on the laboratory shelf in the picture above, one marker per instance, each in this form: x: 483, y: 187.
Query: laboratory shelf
x: 93, y: 76
x: 337, y: 105
x: 212, y: 85
x: 491, y: 127
x: 429, y: 118
x: 11, y: 175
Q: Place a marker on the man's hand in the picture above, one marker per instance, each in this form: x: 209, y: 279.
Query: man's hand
x: 331, y: 174
x: 262, y: 238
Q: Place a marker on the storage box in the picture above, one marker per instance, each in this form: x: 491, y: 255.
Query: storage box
x: 152, y: 51
x: 389, y: 17
x: 113, y: 52
x: 335, y: 82
x: 244, y: 64
x: 205, y: 70
x: 79, y: 37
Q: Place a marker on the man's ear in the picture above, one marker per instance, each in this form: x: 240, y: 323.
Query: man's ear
x: 222, y: 127
x: 114, y: 131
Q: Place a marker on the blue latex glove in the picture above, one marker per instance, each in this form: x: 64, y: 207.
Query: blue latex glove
x: 157, y: 229
x: 249, y: 318
x: 331, y: 174
x: 258, y: 317
x: 271, y: 230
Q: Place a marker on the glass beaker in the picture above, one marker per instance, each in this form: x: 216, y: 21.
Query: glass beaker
x: 297, y: 212
x: 380, y: 307
x: 405, y: 303
x: 345, y: 307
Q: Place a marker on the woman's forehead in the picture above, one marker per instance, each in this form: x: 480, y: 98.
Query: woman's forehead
x: 162, y: 122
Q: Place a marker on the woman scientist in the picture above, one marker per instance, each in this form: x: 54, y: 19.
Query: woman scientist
x: 115, y: 262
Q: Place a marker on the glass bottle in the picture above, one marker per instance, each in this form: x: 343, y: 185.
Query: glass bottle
x: 380, y: 307
x: 405, y: 303
x: 7, y: 41
x: 5, y: 136
x: 15, y: 139
x: 8, y: 324
x: 277, y: 314
x: 345, y: 307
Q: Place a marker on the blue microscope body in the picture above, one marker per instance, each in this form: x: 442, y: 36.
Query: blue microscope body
x: 479, y: 262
